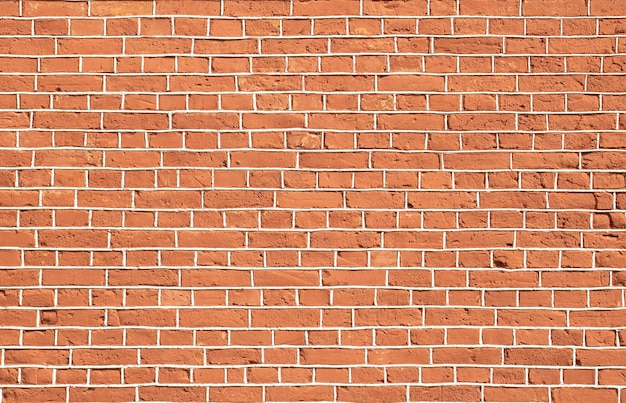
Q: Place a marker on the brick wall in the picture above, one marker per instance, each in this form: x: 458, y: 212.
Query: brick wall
x: 375, y: 200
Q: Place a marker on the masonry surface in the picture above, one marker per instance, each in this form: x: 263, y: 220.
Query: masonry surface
x: 346, y: 201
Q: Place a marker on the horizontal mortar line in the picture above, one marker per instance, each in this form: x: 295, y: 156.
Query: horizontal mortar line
x: 337, y: 384
x: 318, y: 73
x: 320, y: 112
x: 387, y: 148
x: 287, y: 73
x: 326, y: 50
x: 326, y: 287
x: 208, y: 169
x: 371, y: 348
x: 484, y: 34
x: 326, y: 307
x: 336, y: 307
x: 280, y: 112
x: 307, y: 307
x: 318, y: 284
x: 291, y: 328
x: 323, y: 209
x: 401, y: 210
x: 329, y: 52
x: 400, y: 73
x: 290, y: 92
x: 421, y: 191
x: 255, y: 74
x: 292, y: 346
x: 311, y: 169
x: 449, y: 249
x: 308, y: 347
x: 347, y: 35
x: 323, y: 366
x: 331, y: 16
x: 318, y: 287
x: 315, y: 130
x: 285, y: 191
x: 320, y: 190
x: 394, y: 130
x: 364, y: 230
x: 272, y: 230
x: 295, y: 150
x: 312, y: 92
x: 184, y: 169
x: 492, y: 115
x: 314, y: 347
x: 364, y: 269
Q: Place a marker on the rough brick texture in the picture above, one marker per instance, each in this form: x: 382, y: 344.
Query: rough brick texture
x: 337, y: 200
